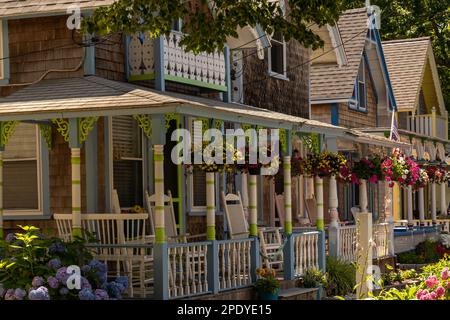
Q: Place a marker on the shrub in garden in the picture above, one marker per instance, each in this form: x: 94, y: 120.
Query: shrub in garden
x: 36, y: 268
x: 340, y: 277
x: 312, y: 278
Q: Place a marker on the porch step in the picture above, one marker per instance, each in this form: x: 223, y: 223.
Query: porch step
x: 298, y: 294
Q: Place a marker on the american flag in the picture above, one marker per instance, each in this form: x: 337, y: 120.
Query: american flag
x: 394, y: 130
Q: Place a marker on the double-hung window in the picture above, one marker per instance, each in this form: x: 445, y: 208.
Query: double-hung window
x: 197, y: 180
x: 127, y: 160
x: 22, y: 190
x: 277, y: 56
x: 359, y: 97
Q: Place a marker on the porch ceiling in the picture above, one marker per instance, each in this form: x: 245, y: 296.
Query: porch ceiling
x: 94, y: 96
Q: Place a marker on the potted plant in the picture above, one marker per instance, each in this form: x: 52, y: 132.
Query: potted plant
x: 313, y: 278
x: 267, y: 284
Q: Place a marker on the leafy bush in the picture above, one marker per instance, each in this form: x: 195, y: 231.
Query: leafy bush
x: 312, y: 278
x: 37, y: 268
x: 267, y: 281
x: 340, y: 277
x: 425, y: 252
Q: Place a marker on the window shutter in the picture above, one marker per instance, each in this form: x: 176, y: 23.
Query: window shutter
x: 126, y: 138
x: 198, y: 176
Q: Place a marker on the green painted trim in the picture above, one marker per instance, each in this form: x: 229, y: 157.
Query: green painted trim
x: 196, y: 83
x: 319, y: 183
x: 252, y: 183
x: 160, y: 235
x: 148, y: 76
x: 319, y: 204
x: 253, y: 229
x: 287, y: 184
x: 76, y: 232
x: 286, y: 166
x: 158, y: 157
x: 253, y: 207
x: 210, y: 207
x: 1, y: 232
x: 75, y: 160
x: 210, y: 182
x: 320, y: 224
x: 159, y: 180
x: 159, y: 208
x: 76, y: 182
x: 211, y: 233
x: 288, y: 206
x: 288, y: 227
x: 1, y: 163
x: 76, y: 209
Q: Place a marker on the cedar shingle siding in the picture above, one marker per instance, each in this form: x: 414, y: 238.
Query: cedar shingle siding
x: 110, y: 58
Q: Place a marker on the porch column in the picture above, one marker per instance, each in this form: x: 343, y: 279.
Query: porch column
x: 363, y: 195
x: 410, y: 207
x: 333, y: 203
x: 158, y: 159
x: 443, y: 200
x: 1, y: 194
x: 433, y: 202
x: 421, y: 207
x: 210, y: 207
x: 252, y: 204
x: 287, y: 195
x: 364, y: 254
x: 319, y: 203
x: 76, y: 191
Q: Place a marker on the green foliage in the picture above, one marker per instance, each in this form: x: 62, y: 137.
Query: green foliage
x: 436, y: 268
x: 402, y: 19
x: 394, y: 294
x: 425, y: 252
x: 340, y: 277
x: 312, y: 278
x: 267, y: 281
x: 207, y: 24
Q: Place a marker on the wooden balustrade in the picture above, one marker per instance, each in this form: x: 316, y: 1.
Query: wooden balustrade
x: 422, y: 124
x: 381, y: 238
x: 306, y: 251
x: 188, y: 269
x: 347, y: 243
x: 234, y: 263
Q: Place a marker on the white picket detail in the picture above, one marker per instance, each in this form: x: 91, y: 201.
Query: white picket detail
x: 234, y: 263
x: 347, y: 243
x: 381, y: 238
x: 188, y: 269
x: 306, y: 252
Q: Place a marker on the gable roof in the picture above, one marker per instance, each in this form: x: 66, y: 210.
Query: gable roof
x: 406, y: 61
x: 17, y: 8
x: 331, y: 82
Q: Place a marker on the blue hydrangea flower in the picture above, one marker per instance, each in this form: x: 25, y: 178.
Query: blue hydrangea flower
x: 54, y: 263
x: 102, y: 277
x: 85, y: 283
x: 86, y: 294
x: 62, y: 275
x: 20, y: 294
x: 57, y: 248
x: 53, y: 282
x: 115, y: 289
x: 40, y: 293
x: 9, y: 295
x: 98, y: 266
x: 63, y: 291
x: 122, y: 281
x: 10, y: 237
x: 37, y: 281
x: 101, y: 295
x: 86, y: 268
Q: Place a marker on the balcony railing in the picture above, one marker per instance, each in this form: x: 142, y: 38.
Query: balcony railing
x: 423, y: 124
x: 202, y: 70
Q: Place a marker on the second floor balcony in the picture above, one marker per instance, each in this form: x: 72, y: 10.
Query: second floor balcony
x: 431, y: 125
x: 202, y: 70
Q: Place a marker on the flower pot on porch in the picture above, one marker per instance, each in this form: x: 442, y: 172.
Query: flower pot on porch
x: 265, y: 295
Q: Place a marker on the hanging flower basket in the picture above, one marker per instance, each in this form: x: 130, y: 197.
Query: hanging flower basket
x: 401, y: 169
x: 437, y: 173
x: 422, y: 181
x: 255, y: 168
x: 325, y: 164
x: 368, y: 168
x: 211, y: 165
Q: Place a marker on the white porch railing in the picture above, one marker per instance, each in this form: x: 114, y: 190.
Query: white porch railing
x: 347, y: 243
x: 381, y: 238
x: 188, y: 270
x: 234, y: 263
x: 445, y: 223
x: 306, y: 251
x: 422, y: 124
x: 203, y: 70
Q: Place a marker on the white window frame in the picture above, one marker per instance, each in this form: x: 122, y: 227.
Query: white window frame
x: 192, y: 208
x: 111, y: 159
x: 272, y: 73
x: 31, y: 212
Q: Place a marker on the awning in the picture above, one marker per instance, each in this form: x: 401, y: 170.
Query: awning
x: 95, y: 96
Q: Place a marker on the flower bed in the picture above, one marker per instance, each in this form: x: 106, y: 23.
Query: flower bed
x: 33, y: 267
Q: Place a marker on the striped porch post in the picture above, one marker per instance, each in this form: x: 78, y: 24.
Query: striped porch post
x: 210, y: 206
x: 421, y: 207
x: 333, y: 203
x: 363, y: 195
x: 252, y: 204
x: 410, y: 207
x: 319, y: 203
x: 76, y: 191
x: 287, y: 195
x: 158, y: 158
x: 433, y: 203
x: 443, y: 200
x: 1, y: 194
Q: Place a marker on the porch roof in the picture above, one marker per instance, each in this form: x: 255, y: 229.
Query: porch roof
x: 95, y: 96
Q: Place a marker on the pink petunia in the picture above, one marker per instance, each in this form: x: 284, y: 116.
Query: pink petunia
x: 440, y: 291
x: 444, y: 274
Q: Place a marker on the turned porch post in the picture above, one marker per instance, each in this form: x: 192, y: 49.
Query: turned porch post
x: 158, y: 159
x: 319, y: 203
x: 210, y: 206
x: 410, y: 206
x: 421, y: 207
x: 433, y: 202
x: 76, y: 190
x: 287, y: 195
x: 333, y: 203
x: 252, y: 204
x: 363, y: 195
x: 443, y: 188
x: 1, y: 193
